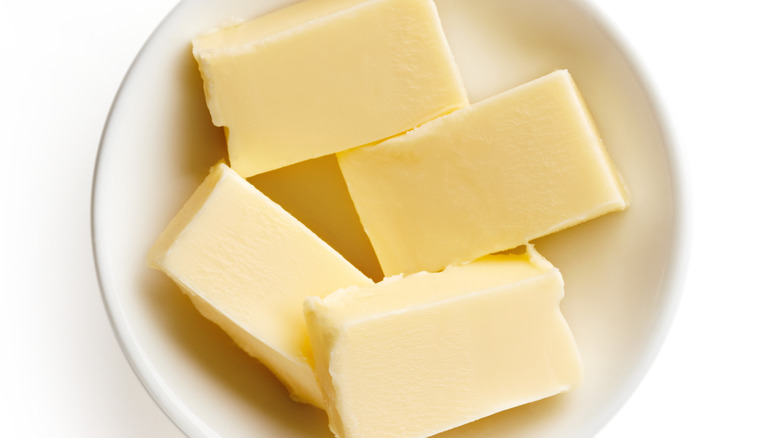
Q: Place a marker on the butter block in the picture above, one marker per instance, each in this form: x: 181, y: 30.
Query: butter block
x: 247, y: 265
x: 322, y: 76
x: 486, y: 178
x: 422, y: 354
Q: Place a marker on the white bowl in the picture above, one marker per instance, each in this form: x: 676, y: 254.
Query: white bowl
x: 621, y: 271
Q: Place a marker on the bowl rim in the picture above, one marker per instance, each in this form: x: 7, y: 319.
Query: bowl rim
x: 168, y: 403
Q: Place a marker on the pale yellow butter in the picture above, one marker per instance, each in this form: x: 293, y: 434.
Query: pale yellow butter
x: 489, y: 177
x: 323, y: 76
x: 411, y: 357
x: 248, y: 265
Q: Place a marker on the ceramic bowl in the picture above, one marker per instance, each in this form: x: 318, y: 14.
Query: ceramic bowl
x: 621, y: 271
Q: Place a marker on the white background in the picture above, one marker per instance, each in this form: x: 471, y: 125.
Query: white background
x: 713, y: 66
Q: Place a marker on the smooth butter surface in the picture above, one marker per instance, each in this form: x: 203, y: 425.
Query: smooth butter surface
x: 413, y: 357
x: 247, y: 265
x: 489, y: 177
x: 323, y: 76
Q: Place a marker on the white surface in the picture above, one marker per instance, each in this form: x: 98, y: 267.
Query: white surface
x: 713, y: 68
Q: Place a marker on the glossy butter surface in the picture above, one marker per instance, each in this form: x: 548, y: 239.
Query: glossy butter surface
x: 412, y: 357
x: 247, y: 265
x: 486, y: 178
x: 322, y: 76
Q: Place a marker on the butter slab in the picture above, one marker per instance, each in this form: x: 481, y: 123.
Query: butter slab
x: 247, y: 265
x: 322, y: 76
x: 411, y: 357
x: 486, y: 178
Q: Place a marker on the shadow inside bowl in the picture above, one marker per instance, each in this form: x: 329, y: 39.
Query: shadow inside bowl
x: 213, y: 353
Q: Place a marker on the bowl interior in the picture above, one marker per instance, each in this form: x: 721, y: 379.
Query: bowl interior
x: 159, y: 143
